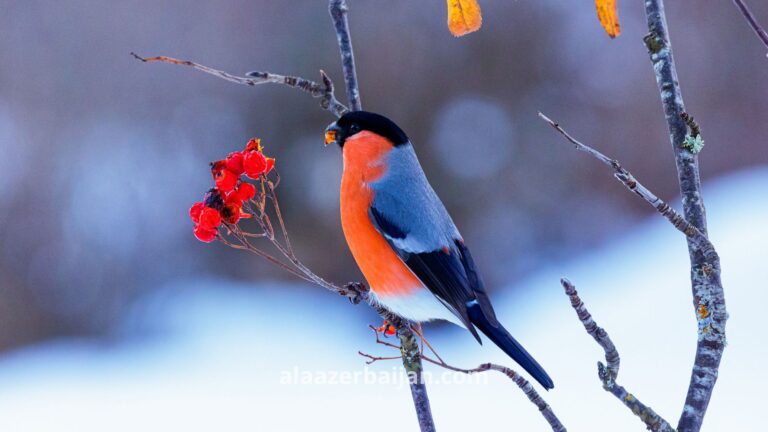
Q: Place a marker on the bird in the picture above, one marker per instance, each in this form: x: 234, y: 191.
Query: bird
x: 403, y: 239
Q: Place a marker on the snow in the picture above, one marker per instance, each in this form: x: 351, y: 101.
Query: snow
x: 211, y: 354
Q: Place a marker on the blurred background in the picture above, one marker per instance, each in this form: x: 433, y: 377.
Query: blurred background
x: 110, y: 308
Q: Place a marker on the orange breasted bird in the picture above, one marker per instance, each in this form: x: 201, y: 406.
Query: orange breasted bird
x: 404, y: 241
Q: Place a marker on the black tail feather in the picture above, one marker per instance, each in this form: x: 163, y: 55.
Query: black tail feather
x: 501, y: 337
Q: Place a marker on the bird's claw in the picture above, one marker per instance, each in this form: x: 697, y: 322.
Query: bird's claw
x: 354, y: 291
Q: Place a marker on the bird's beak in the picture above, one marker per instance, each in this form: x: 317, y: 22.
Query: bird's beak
x: 331, y: 133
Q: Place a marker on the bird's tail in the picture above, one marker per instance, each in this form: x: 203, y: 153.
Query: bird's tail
x: 501, y: 337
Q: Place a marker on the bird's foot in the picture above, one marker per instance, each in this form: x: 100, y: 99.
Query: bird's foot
x: 355, y: 292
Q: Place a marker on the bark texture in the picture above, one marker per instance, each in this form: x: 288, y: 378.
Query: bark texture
x: 708, y: 296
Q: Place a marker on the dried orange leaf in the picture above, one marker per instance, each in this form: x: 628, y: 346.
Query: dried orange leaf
x: 609, y: 18
x: 464, y: 17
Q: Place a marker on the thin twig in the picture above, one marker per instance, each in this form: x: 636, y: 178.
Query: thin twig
x: 709, y: 321
x: 246, y: 245
x: 279, y: 214
x: 355, y: 292
x: 706, y: 286
x: 424, y: 341
x: 625, y: 177
x: 374, y: 359
x: 750, y: 17
x: 612, y: 358
x: 524, y: 385
x: 324, y: 91
x: 382, y: 342
x: 338, y: 10
x: 609, y: 373
x: 410, y: 352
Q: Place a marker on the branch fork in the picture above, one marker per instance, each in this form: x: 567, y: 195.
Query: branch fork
x: 324, y: 90
x: 708, y: 300
x: 528, y: 389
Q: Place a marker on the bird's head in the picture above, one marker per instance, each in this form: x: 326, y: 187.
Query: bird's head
x: 355, y: 122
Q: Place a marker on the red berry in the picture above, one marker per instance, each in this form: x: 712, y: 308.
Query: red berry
x: 235, y: 162
x: 246, y: 191
x: 233, y: 198
x: 270, y: 165
x: 195, y: 210
x: 231, y: 213
x: 254, y: 163
x: 225, y: 180
x: 204, y: 234
x: 390, y: 331
x: 218, y: 166
x: 254, y: 144
x: 210, y: 218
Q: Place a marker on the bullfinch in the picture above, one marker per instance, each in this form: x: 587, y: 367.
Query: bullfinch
x: 404, y: 241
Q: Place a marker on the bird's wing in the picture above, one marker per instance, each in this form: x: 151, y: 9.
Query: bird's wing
x: 408, y: 213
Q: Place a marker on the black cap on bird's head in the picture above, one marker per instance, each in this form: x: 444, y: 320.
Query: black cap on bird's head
x: 355, y: 122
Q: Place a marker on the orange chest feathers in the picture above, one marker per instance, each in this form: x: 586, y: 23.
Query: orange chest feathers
x: 364, y: 163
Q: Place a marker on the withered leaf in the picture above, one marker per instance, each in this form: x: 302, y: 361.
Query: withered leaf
x: 463, y: 17
x: 609, y: 18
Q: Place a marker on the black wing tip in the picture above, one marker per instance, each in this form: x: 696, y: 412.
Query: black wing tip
x: 547, y: 384
x: 538, y: 373
x: 472, y: 330
x: 501, y: 337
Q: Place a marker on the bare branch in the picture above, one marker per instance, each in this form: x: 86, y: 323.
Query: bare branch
x: 409, y: 350
x: 609, y: 373
x: 761, y: 33
x: 524, y: 385
x: 324, y: 91
x: 355, y: 292
x: 706, y: 286
x: 338, y: 10
x: 277, y: 235
x: 700, y: 241
x: 711, y: 313
x: 612, y: 358
x: 373, y: 359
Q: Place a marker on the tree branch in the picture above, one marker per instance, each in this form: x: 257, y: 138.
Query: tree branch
x: 710, y: 312
x: 707, y: 289
x: 528, y: 390
x: 609, y: 373
x: 695, y: 236
x: 761, y: 33
x: 324, y: 91
x: 338, y: 10
x: 356, y: 292
x: 408, y: 348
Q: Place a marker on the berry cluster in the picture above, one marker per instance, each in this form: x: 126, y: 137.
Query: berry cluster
x: 386, y: 328
x: 225, y: 203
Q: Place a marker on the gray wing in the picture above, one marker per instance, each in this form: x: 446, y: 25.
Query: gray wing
x: 408, y: 213
x: 405, y: 197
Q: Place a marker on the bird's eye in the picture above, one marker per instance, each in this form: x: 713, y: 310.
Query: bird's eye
x: 354, y: 128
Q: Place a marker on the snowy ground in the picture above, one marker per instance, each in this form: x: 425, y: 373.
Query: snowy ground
x: 210, y: 355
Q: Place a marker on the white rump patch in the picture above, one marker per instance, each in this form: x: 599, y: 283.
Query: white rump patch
x: 420, y: 306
